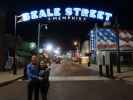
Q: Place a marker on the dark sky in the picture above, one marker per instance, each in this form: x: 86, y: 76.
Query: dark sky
x: 66, y: 32
x: 62, y: 33
x: 120, y: 8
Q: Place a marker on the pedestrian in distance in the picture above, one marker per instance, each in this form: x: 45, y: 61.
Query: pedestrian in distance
x: 33, y: 78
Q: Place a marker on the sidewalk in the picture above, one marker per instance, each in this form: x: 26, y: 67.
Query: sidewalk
x: 8, y: 77
x: 126, y: 73
x: 127, y: 76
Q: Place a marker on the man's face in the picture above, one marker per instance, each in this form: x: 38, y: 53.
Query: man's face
x: 34, y: 59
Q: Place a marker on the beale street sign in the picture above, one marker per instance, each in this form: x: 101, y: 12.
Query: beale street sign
x: 66, y: 14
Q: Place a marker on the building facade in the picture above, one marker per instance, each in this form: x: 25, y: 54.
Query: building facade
x: 108, y: 42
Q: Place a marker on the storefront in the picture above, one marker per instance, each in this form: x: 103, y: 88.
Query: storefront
x: 108, y: 46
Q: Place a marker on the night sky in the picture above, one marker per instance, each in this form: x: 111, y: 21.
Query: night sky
x: 59, y: 33
x: 63, y: 33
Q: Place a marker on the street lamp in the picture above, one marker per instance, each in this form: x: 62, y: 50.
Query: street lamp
x: 49, y: 47
x: 32, y: 45
x: 57, y: 51
x: 40, y: 50
x: 17, y: 19
x: 75, y: 43
x: 39, y: 30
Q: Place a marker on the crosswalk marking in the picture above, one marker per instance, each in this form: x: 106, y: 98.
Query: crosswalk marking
x: 74, y: 78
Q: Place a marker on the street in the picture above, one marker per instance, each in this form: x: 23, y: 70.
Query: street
x: 73, y: 90
x: 71, y: 69
x: 74, y: 71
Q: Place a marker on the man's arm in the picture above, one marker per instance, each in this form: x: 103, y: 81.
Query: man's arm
x: 30, y: 74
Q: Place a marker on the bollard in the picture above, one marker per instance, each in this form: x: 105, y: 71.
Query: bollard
x: 100, y: 70
x: 111, y: 71
x: 107, y: 70
x: 89, y: 64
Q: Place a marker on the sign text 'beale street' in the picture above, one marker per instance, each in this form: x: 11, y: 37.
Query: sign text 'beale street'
x: 70, y: 13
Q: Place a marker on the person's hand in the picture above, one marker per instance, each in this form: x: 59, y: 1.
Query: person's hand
x: 40, y: 78
x: 48, y: 69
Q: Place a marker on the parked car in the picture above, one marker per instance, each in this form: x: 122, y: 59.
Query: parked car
x: 58, y: 60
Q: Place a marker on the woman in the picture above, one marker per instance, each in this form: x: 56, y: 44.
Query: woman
x: 44, y: 73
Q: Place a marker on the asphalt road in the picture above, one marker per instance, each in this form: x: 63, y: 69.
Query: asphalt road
x: 71, y: 89
x: 70, y: 69
x: 74, y: 90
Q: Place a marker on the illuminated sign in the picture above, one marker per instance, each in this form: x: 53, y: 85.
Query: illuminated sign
x: 107, y: 39
x: 103, y: 39
x: 67, y: 13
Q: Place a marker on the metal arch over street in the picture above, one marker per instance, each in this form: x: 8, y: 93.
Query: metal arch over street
x: 66, y: 14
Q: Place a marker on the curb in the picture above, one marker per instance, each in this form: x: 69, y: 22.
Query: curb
x: 10, y: 81
x: 125, y: 80
x: 129, y: 82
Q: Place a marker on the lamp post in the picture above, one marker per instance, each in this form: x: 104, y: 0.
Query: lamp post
x: 32, y: 45
x: 17, y: 19
x: 77, y: 45
x: 118, y: 43
x: 14, y: 67
x: 116, y: 26
x: 39, y: 31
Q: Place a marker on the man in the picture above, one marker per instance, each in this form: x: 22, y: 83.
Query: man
x: 33, y: 77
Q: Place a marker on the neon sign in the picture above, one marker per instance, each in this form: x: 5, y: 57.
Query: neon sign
x: 67, y: 13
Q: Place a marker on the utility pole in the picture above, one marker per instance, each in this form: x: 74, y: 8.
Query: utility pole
x: 38, y: 44
x: 14, y: 67
x: 116, y: 26
x: 118, y: 47
x: 95, y: 43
